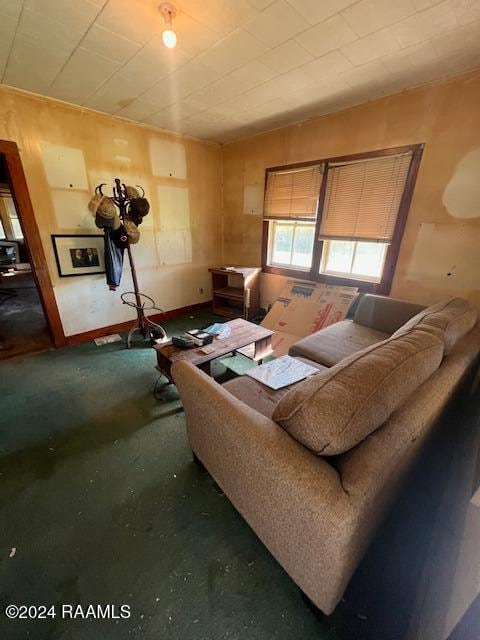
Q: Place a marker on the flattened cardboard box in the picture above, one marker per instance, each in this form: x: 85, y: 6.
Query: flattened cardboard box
x: 303, y: 308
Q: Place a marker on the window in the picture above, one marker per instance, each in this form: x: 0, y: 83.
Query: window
x: 292, y: 244
x: 340, y: 219
x: 10, y: 224
x: 14, y: 221
x: 357, y: 260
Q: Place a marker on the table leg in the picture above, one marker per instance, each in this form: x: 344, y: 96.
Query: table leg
x: 263, y: 348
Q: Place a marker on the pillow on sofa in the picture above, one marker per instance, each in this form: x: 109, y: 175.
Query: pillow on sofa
x: 333, y: 411
x: 451, y: 319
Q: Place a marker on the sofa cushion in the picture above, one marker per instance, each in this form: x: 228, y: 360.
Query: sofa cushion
x: 451, y: 319
x: 258, y: 396
x: 331, y: 412
x: 336, y: 342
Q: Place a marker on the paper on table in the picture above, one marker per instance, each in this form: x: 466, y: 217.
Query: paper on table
x: 281, y: 372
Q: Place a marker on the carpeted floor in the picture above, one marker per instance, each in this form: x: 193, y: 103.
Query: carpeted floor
x: 102, y: 503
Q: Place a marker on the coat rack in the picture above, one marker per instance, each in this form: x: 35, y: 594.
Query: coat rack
x: 139, y: 301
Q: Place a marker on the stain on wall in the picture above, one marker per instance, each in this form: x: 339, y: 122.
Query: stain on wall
x: 440, y: 248
x: 462, y: 193
x: 66, y: 151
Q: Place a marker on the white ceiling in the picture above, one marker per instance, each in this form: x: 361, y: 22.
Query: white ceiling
x: 240, y: 66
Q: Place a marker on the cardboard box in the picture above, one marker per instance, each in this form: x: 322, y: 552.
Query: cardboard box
x: 305, y: 307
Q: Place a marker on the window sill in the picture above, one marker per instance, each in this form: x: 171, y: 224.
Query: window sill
x: 364, y: 286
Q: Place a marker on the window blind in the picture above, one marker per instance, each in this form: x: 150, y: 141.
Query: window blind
x: 363, y: 198
x: 292, y: 193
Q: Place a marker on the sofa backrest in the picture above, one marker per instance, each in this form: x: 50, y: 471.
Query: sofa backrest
x: 333, y: 411
x: 451, y: 320
x: 383, y: 313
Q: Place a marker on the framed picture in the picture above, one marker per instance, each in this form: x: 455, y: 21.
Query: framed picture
x: 78, y: 255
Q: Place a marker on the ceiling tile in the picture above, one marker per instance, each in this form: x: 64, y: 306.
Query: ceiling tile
x: 232, y: 52
x: 117, y: 93
x: 142, y: 72
x: 109, y: 44
x: 327, y: 36
x: 32, y: 66
x: 192, y: 36
x: 48, y: 31
x: 75, y: 14
x: 162, y: 60
x: 165, y: 120
x: 466, y: 10
x: 406, y: 60
x: 83, y: 74
x: 368, y: 75
x: 138, y: 110
x: 277, y: 23
x: 8, y: 24
x: 463, y: 39
x: 370, y: 48
x: 285, y: 57
x: 275, y: 88
x: 221, y: 16
x: 192, y: 77
x: 425, y: 25
x: 368, y: 16
x: 10, y: 8
x: 260, y: 5
x: 315, y: 11
x: 137, y: 22
x: 332, y: 64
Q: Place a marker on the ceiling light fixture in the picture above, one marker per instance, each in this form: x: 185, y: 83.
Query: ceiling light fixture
x: 169, y: 36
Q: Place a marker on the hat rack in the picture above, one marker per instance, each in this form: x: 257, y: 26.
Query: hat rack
x: 140, y: 301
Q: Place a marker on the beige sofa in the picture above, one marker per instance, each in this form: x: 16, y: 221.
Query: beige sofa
x: 313, y: 468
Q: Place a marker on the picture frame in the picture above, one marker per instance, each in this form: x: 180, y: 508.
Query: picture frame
x: 79, y: 254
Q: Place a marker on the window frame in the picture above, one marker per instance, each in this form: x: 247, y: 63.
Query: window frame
x: 393, y: 250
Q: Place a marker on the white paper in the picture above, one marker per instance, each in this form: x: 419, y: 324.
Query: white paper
x: 281, y: 372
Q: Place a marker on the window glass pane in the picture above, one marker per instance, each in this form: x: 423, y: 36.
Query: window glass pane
x: 303, y: 245
x: 339, y: 257
x: 2, y: 231
x: 17, y: 229
x: 369, y: 259
x: 282, y: 243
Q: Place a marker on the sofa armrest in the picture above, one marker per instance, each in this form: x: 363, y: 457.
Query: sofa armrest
x: 383, y: 313
x: 221, y: 426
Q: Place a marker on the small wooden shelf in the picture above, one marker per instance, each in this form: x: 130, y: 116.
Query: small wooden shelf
x: 235, y: 293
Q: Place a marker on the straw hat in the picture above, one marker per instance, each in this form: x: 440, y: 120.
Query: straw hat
x: 132, y: 231
x: 132, y: 193
x: 138, y: 207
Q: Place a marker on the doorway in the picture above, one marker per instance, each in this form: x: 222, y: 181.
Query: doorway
x: 27, y: 304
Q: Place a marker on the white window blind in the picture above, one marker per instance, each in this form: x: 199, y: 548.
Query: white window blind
x: 292, y: 193
x: 363, y: 198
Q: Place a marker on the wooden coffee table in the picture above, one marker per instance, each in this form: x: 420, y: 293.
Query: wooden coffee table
x: 243, y: 333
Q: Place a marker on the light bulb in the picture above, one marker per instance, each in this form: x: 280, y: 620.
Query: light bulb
x: 169, y: 38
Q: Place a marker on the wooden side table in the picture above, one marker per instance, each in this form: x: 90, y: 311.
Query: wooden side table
x: 236, y: 293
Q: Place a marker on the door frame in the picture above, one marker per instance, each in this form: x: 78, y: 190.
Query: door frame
x: 34, y: 247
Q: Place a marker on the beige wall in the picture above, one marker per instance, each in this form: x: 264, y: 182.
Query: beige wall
x: 66, y: 152
x: 442, y: 236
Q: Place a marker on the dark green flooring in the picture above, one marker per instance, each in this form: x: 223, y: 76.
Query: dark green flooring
x: 103, y: 504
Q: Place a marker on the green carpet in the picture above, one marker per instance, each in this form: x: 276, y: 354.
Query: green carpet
x: 103, y: 504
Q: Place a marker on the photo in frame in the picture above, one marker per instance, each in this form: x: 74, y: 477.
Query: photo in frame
x: 78, y: 254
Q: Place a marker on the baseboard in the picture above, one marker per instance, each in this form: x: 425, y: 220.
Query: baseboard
x: 122, y: 327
